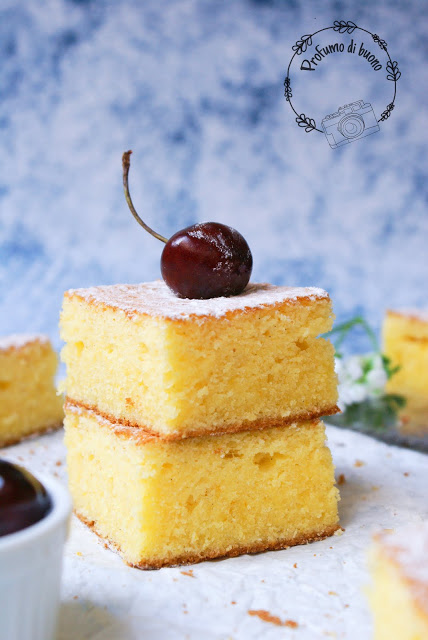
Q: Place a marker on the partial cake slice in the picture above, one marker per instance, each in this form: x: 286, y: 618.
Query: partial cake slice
x: 29, y: 403
x: 405, y: 335
x: 399, y: 595
x: 162, y: 503
x: 142, y: 356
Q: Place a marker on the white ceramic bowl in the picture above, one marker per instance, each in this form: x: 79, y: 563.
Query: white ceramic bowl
x: 30, y: 571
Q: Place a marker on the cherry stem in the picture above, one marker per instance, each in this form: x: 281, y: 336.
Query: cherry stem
x: 126, y: 163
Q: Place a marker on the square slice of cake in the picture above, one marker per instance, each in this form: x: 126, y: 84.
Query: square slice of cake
x: 166, y: 502
x: 405, y: 336
x: 399, y: 595
x: 29, y: 402
x: 140, y: 355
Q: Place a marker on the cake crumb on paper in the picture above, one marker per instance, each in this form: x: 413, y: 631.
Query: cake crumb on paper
x: 295, y: 565
x: 233, y: 602
x: 341, y: 479
x: 291, y: 624
x: 268, y: 617
x: 359, y: 463
x: 188, y: 573
x: 406, y: 474
x: 332, y: 593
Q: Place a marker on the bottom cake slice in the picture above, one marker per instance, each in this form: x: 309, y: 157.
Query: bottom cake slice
x: 162, y: 503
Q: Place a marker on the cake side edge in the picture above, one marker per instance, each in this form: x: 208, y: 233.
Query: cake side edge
x: 183, y: 560
x: 126, y: 427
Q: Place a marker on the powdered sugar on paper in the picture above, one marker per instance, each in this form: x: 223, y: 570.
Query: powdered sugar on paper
x: 321, y: 586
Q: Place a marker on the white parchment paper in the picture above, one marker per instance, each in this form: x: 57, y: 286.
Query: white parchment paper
x: 320, y: 586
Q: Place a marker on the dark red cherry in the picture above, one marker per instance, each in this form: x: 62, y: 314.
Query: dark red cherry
x: 23, y: 499
x: 206, y: 260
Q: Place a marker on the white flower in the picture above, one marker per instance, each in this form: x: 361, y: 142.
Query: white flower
x: 339, y: 367
x: 360, y: 378
x: 376, y: 379
x: 354, y: 369
x: 350, y: 393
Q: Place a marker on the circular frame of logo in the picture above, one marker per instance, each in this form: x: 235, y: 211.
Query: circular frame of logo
x: 393, y: 72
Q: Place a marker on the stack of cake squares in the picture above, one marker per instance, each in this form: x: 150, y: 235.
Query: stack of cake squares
x: 193, y: 426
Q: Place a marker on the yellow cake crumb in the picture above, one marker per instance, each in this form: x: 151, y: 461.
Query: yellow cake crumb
x: 399, y: 593
x: 29, y: 402
x: 180, y: 368
x: 405, y: 337
x: 164, y: 502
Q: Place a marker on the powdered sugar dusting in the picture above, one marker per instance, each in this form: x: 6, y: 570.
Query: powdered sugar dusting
x: 156, y: 299
x: 408, y: 548
x: 18, y: 340
x: 415, y: 314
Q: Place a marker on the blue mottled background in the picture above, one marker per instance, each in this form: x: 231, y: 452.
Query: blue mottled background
x: 196, y: 90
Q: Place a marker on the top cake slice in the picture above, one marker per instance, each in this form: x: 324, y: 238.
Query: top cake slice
x: 178, y: 367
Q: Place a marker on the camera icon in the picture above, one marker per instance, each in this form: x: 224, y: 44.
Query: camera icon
x: 350, y: 122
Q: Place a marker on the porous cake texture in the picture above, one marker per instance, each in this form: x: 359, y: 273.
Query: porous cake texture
x: 139, y: 355
x: 405, y: 335
x: 29, y: 402
x: 399, y: 595
x: 166, y: 502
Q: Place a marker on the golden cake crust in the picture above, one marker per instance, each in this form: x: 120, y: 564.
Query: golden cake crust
x: 212, y: 555
x: 146, y: 434
x: 414, y: 315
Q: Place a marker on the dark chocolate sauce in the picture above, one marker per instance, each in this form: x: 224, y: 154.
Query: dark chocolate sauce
x: 23, y: 499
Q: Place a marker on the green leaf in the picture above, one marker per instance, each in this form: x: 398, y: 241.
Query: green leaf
x: 387, y: 365
x: 374, y: 413
x: 342, y: 330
